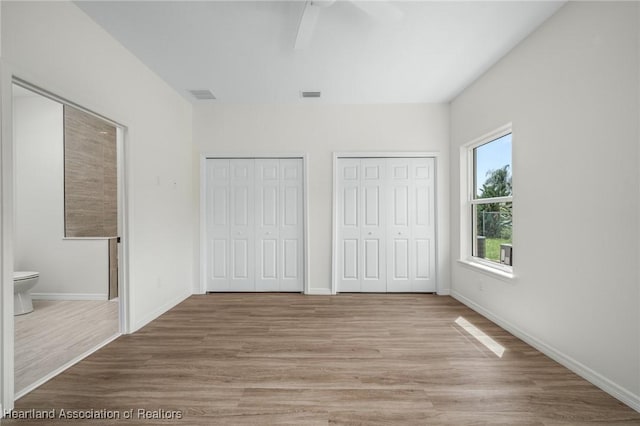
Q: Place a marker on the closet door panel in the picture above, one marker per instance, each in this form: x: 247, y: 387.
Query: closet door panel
x: 422, y: 255
x: 348, y: 266
x: 399, y: 225
x: 267, y: 188
x: 291, y: 259
x: 218, y: 226
x: 242, y: 225
x: 372, y: 230
x: 218, y: 261
x: 423, y: 264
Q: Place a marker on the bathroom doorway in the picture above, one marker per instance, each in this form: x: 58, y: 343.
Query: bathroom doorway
x: 68, y: 220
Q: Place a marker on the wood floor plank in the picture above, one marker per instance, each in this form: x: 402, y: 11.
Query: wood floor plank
x: 368, y: 359
x: 56, y: 332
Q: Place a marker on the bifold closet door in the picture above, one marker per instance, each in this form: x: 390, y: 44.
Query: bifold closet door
x: 279, y: 230
x: 218, y: 178
x: 230, y: 199
x: 267, y: 224
x: 254, y: 225
x: 386, y: 232
x: 410, y: 227
x: 241, y: 235
x: 291, y: 243
x: 361, y: 248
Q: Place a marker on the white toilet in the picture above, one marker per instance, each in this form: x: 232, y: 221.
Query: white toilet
x: 23, y: 282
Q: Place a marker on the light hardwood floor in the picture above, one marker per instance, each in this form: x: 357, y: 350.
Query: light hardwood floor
x: 58, y: 331
x: 369, y: 359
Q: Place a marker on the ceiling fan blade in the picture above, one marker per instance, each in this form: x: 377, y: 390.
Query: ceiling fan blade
x: 307, y: 25
x: 384, y: 11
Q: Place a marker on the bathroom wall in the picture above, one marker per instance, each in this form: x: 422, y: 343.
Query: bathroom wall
x: 69, y: 269
x: 90, y: 175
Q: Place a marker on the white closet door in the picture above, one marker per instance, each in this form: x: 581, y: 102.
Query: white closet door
x: 291, y: 244
x: 423, y: 232
x: 242, y: 277
x: 218, y: 225
x: 267, y: 183
x: 361, y: 216
x: 372, y: 229
x: 399, y: 226
x: 411, y: 230
x: 348, y: 212
x: 254, y: 221
x: 386, y: 232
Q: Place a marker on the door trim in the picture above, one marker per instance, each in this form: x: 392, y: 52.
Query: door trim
x: 6, y: 246
x: 202, y: 287
x: 376, y: 154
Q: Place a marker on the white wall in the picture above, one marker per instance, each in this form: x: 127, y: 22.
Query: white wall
x: 54, y: 45
x: 77, y: 268
x: 571, y: 90
x: 319, y: 131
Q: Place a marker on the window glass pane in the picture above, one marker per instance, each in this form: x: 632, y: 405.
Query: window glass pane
x: 492, y: 168
x: 492, y: 224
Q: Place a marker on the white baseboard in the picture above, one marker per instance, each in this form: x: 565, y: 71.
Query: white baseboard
x: 69, y: 296
x: 613, y: 389
x: 161, y: 310
x: 59, y: 370
x: 319, y: 292
x: 444, y: 292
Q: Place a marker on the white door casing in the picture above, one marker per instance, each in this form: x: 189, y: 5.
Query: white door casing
x: 385, y: 225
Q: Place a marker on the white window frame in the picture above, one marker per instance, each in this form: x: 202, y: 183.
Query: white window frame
x: 468, y: 233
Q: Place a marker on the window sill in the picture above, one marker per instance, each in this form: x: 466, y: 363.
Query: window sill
x: 488, y: 270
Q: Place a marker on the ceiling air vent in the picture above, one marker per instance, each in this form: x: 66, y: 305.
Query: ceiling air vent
x: 202, y: 95
x: 310, y: 94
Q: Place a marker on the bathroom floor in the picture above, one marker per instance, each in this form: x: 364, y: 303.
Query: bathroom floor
x: 56, y: 332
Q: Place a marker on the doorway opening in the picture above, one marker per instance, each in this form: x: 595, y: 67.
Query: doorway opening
x: 68, y: 216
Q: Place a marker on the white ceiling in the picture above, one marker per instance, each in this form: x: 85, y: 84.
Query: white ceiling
x: 243, y: 51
